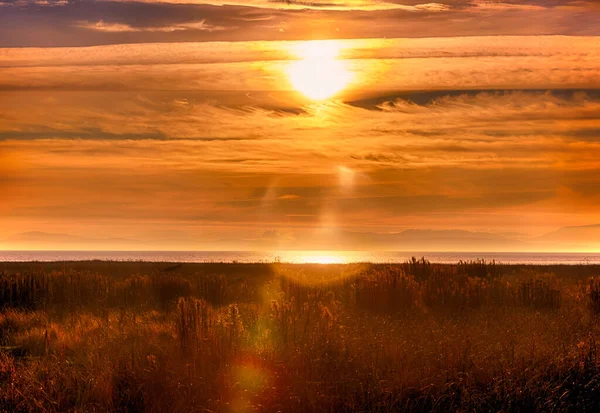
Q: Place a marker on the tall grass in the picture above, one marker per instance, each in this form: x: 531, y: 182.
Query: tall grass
x: 417, y: 337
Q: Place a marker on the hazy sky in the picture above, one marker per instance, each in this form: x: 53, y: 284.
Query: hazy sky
x: 181, y: 125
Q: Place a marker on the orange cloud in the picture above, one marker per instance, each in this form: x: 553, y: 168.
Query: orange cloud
x: 97, y: 148
x: 116, y: 27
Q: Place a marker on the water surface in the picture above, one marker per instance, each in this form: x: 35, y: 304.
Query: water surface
x: 325, y: 257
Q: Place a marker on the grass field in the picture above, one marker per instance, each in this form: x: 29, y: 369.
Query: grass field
x: 418, y: 337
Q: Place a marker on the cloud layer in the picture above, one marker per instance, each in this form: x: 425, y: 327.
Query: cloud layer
x: 190, y: 144
x: 84, y: 23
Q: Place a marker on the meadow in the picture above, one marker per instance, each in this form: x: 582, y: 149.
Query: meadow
x: 415, y: 337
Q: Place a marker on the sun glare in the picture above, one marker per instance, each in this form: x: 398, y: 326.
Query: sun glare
x: 314, y: 257
x: 322, y: 259
x: 320, y: 74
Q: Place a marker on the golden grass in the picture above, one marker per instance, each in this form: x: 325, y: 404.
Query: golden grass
x: 414, y: 337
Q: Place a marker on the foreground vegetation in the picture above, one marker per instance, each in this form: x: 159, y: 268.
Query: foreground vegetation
x: 419, y: 337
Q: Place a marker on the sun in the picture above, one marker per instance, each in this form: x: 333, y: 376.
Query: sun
x: 319, y: 74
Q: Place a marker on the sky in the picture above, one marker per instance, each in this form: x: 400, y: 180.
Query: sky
x: 331, y: 124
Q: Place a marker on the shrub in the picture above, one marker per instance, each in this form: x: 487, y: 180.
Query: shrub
x: 539, y: 294
x: 421, y: 269
x: 386, y: 291
x: 194, y: 323
x: 212, y: 288
x: 479, y: 268
x: 169, y: 288
x: 592, y: 294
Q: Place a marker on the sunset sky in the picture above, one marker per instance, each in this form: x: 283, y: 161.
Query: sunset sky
x: 332, y: 124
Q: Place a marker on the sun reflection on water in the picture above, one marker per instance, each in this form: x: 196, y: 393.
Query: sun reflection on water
x: 316, y: 257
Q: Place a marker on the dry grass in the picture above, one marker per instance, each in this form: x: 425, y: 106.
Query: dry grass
x: 413, y: 337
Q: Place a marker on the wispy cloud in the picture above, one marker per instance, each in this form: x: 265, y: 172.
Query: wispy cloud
x: 403, y: 164
x: 116, y: 27
x: 477, y: 133
x: 343, y: 5
x: 59, y: 23
x: 255, y: 67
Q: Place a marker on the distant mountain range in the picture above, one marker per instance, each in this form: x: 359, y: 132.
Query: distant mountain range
x: 580, y: 238
x: 427, y: 240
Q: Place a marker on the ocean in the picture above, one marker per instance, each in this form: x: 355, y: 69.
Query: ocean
x: 323, y: 257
